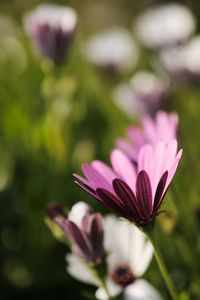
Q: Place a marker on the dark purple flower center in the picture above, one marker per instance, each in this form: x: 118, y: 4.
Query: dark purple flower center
x: 123, y: 275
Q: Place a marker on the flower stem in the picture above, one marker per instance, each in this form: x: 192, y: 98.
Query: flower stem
x: 101, y: 273
x: 161, y: 264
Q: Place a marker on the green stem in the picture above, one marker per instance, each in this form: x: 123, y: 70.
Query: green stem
x: 101, y: 276
x: 161, y: 264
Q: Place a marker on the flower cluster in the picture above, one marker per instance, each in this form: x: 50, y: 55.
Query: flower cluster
x: 134, y: 188
x: 107, y: 252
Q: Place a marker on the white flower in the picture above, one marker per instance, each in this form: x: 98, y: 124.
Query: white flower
x: 165, y: 25
x: 183, y: 61
x: 149, y: 89
x: 124, y: 97
x: 129, y: 255
x: 145, y: 93
x: 112, y: 49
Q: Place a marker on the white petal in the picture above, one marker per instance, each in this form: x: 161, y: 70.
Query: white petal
x: 111, y: 242
x: 113, y: 290
x: 79, y: 270
x: 137, y: 251
x: 78, y: 211
x: 141, y: 290
x: 126, y: 244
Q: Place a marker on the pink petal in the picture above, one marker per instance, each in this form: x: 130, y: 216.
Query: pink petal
x: 145, y: 160
x: 173, y: 168
x: 149, y: 129
x: 169, y: 155
x: 104, y: 170
x: 123, y: 166
x: 84, y: 181
x: 127, y: 148
x: 136, y: 136
x: 96, y: 178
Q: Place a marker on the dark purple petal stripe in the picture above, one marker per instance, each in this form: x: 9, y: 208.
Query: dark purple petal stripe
x: 86, y: 189
x: 96, y: 235
x: 144, y: 193
x: 113, y: 202
x: 75, y: 236
x: 159, y: 192
x: 128, y: 197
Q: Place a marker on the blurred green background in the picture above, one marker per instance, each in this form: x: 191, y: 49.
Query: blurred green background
x: 53, y: 120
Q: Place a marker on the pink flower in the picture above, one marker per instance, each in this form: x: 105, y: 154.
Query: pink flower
x: 83, y: 229
x: 134, y: 193
x: 163, y: 128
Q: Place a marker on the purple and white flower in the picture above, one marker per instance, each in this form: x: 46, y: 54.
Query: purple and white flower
x: 51, y: 29
x: 183, y: 62
x: 84, y: 230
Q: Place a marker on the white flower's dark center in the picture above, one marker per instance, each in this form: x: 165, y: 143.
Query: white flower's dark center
x: 123, y: 275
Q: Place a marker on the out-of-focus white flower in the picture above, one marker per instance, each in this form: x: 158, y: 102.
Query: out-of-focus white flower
x: 51, y: 28
x: 183, y: 61
x: 165, y: 25
x: 113, y: 50
x: 150, y: 90
x: 145, y: 93
x: 129, y: 255
x: 124, y: 97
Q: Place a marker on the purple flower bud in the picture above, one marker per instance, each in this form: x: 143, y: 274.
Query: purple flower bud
x: 84, y: 230
x: 51, y: 29
x: 55, y: 211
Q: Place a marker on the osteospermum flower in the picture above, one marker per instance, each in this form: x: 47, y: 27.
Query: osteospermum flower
x: 51, y: 29
x: 99, y: 50
x: 183, y: 61
x: 83, y: 229
x: 144, y: 94
x: 164, y: 127
x: 134, y: 193
x: 129, y: 255
x: 165, y: 25
x: 150, y: 90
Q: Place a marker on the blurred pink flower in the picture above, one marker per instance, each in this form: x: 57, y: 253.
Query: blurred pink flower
x: 84, y: 230
x: 51, y: 29
x: 134, y: 193
x: 163, y: 128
